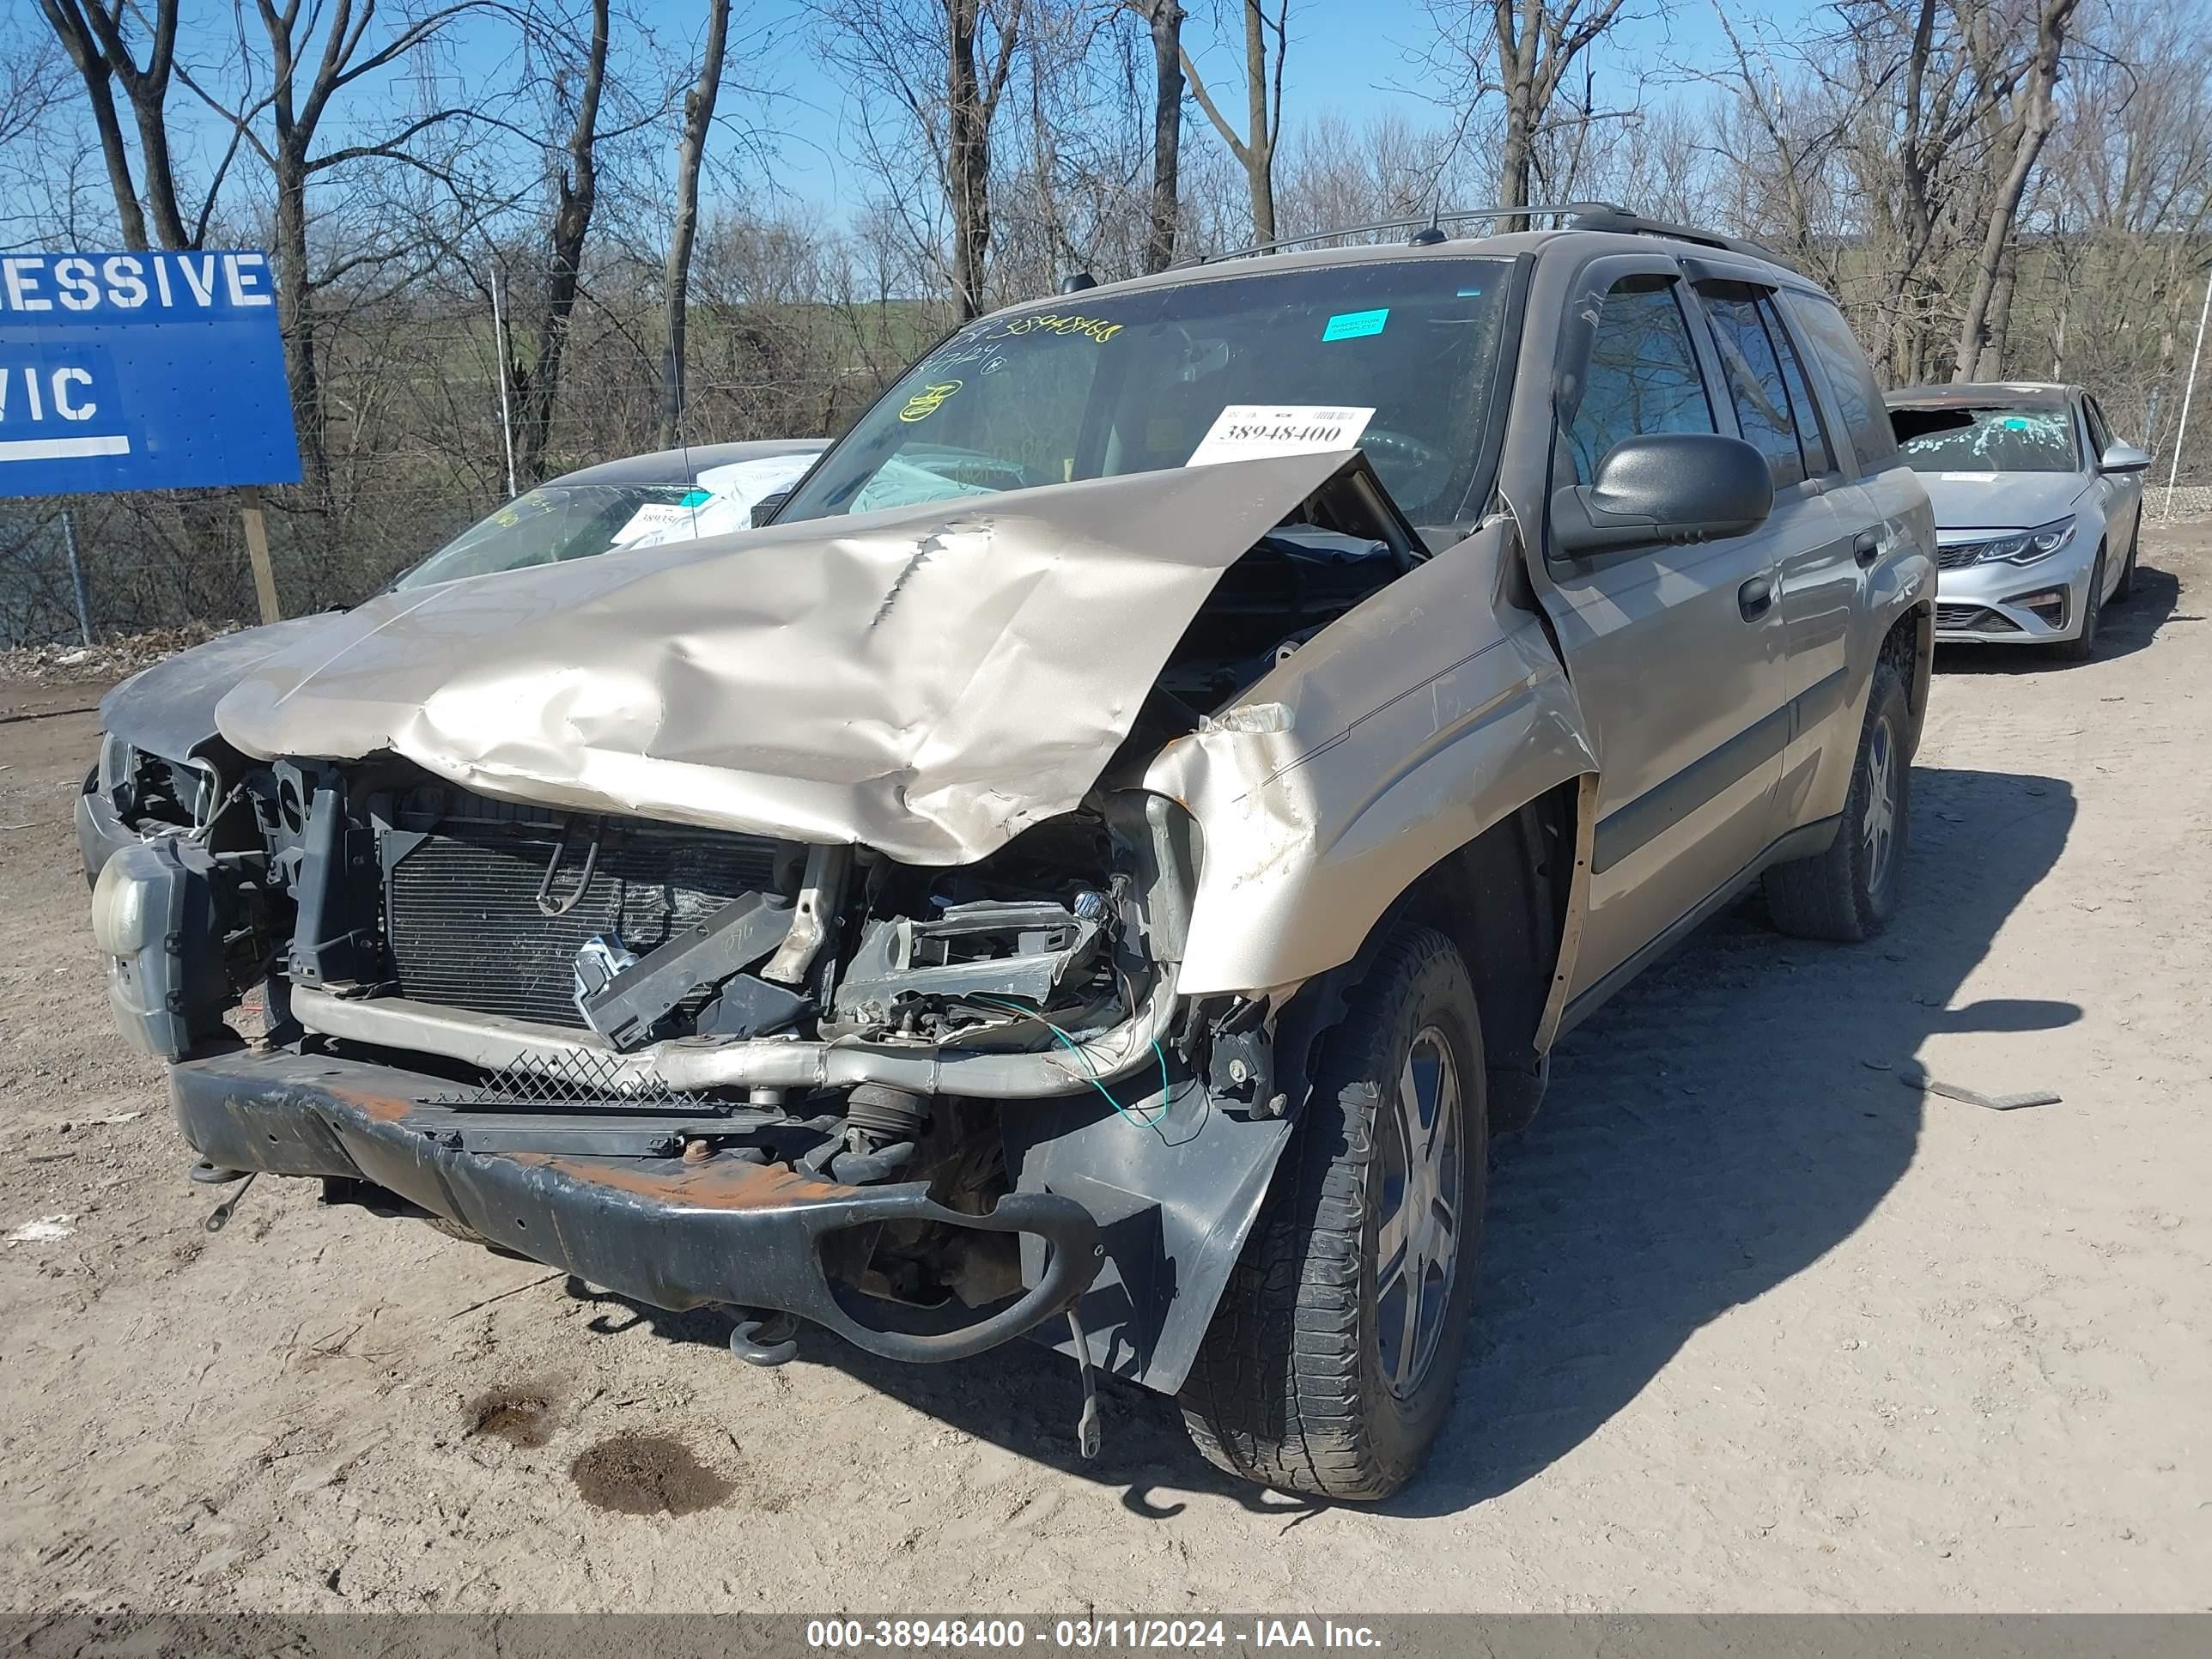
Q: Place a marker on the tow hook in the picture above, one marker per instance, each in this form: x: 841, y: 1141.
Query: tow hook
x: 746, y: 1340
x: 210, y: 1174
x: 1086, y: 1426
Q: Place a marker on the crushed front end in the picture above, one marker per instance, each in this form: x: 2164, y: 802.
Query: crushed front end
x: 926, y: 1108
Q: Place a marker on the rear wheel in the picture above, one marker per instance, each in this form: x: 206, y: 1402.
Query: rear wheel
x: 1849, y: 892
x: 1330, y: 1363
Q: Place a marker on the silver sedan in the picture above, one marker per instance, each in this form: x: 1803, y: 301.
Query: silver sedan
x: 2037, y: 510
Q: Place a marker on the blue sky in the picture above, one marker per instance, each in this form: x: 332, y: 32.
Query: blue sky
x: 1356, y: 57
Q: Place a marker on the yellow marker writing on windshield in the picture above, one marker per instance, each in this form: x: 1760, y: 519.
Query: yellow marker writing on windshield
x: 928, y: 401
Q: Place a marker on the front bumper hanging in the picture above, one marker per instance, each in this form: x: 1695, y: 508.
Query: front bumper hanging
x: 663, y: 1230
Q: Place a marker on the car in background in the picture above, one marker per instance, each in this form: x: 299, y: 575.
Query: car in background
x: 2038, y: 508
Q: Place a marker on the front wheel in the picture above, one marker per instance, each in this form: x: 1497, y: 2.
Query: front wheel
x: 1849, y: 892
x: 1330, y: 1363
x: 2126, y: 585
x: 2083, y: 645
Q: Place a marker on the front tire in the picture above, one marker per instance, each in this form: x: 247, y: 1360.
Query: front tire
x: 1330, y: 1363
x: 2126, y: 585
x: 1849, y: 892
x: 2083, y: 645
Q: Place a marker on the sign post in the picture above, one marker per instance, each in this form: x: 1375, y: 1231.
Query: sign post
x: 257, y: 550
x: 145, y: 371
x: 76, y: 577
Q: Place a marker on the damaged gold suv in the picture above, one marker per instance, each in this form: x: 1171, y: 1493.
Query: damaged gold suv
x: 1102, y: 861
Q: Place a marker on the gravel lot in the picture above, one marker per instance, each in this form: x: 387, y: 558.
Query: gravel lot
x: 1761, y: 1328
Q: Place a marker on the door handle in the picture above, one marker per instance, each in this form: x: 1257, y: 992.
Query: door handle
x: 1755, y: 597
x: 1864, y: 546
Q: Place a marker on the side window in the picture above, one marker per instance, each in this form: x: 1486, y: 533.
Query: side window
x: 1812, y: 431
x: 1643, y: 374
x: 1753, y: 373
x: 1849, y: 378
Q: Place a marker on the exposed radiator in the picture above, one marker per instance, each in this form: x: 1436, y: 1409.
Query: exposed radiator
x: 462, y: 918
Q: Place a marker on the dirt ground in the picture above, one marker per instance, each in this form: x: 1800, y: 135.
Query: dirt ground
x: 1761, y: 1328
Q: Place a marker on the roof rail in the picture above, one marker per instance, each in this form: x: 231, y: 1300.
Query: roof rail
x: 1433, y: 222
x: 1578, y: 216
x: 1603, y: 216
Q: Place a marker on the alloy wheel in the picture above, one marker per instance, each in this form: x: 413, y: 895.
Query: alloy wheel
x: 1417, y: 1240
x: 1879, y: 831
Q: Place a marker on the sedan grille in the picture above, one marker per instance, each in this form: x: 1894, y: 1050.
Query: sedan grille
x: 466, y: 930
x: 1957, y: 558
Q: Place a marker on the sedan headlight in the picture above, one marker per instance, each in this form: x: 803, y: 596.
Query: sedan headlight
x: 2028, y: 545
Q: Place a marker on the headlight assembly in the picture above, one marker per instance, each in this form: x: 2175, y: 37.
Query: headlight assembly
x: 2029, y: 545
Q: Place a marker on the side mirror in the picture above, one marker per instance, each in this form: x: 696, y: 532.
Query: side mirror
x: 1664, y: 487
x: 2123, y: 457
x: 767, y: 506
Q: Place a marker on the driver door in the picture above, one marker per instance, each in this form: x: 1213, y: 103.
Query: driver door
x: 1675, y: 652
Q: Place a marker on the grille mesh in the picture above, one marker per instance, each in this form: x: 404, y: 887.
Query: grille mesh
x: 465, y: 932
x: 1975, y: 618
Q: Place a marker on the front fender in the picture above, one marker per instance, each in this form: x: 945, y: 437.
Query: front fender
x: 1398, y: 736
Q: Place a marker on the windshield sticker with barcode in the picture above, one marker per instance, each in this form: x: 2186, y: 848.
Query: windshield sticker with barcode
x: 1246, y: 431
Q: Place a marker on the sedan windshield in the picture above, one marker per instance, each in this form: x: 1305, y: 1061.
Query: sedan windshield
x: 552, y: 523
x: 1406, y: 350
x: 1991, y: 438
x: 570, y: 518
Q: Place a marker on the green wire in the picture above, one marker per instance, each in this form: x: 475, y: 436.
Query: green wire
x: 1076, y: 1048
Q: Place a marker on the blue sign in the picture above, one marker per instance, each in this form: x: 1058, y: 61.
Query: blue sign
x: 141, y: 371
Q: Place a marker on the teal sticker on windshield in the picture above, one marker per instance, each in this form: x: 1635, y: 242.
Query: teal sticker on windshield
x: 1351, y: 325
x: 2015, y: 423
x: 696, y: 498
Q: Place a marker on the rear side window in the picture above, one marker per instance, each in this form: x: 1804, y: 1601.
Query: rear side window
x: 1754, y: 372
x: 1829, y: 338
x: 1643, y: 374
x: 1812, y: 430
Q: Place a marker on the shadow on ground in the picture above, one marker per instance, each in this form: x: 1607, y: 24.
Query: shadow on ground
x: 1713, y: 1130
x: 2124, y: 628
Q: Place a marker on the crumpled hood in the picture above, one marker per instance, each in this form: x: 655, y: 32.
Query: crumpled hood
x: 2001, y: 501
x: 168, y: 710
x: 929, y: 681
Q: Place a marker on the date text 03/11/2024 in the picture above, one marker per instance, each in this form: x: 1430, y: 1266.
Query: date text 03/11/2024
x: 1088, y: 1633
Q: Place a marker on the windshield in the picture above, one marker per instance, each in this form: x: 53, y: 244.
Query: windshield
x: 1397, y: 357
x: 1992, y: 438
x: 568, y: 520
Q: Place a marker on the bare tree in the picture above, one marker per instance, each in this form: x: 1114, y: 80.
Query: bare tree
x: 305, y: 73
x: 698, y: 116
x: 1520, y: 50
x: 2023, y: 129
x: 942, y: 66
x: 94, y: 35
x: 575, y: 194
x: 1164, y: 21
x: 1263, y: 108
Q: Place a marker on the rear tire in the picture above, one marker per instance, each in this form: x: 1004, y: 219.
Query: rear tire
x: 1849, y: 892
x: 1330, y: 1363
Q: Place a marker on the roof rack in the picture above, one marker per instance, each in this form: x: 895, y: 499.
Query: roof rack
x: 1578, y: 216
x: 1602, y: 215
x: 1434, y: 222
